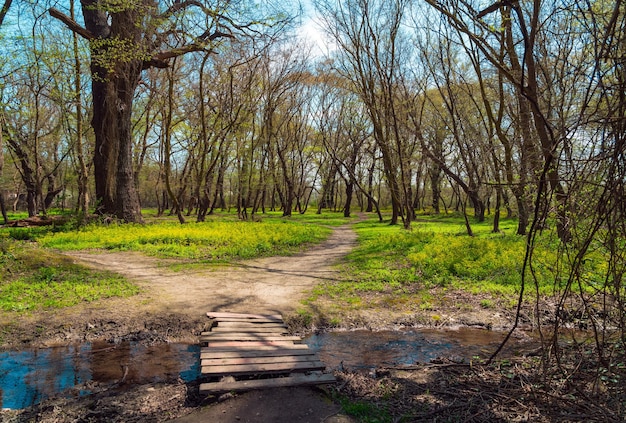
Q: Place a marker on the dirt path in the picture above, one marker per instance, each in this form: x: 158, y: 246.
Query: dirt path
x: 273, y: 284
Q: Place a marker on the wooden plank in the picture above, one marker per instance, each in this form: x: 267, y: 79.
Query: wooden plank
x: 246, y: 385
x: 248, y: 346
x: 245, y: 320
x: 239, y: 329
x: 253, y: 369
x: 217, y: 315
x: 258, y: 360
x: 209, y: 353
x: 250, y: 343
x: 244, y: 334
x: 214, y: 336
x: 228, y: 325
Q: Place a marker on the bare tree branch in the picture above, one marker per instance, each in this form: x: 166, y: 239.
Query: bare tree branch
x: 159, y: 60
x: 71, y: 24
x: 181, y: 5
x: 493, y: 8
x: 4, y: 10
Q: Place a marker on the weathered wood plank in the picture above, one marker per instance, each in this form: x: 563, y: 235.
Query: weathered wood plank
x: 219, y: 337
x: 209, y: 353
x: 247, y: 329
x: 250, y: 346
x: 245, y: 332
x: 258, y: 360
x: 245, y: 320
x: 218, y: 315
x: 246, y: 385
x: 252, y: 324
x: 215, y: 336
x: 252, y: 369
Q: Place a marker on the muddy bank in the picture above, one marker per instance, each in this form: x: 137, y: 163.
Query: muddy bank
x: 54, y: 329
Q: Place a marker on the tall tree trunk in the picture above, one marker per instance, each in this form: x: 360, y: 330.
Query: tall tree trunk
x: 348, y: 204
x: 496, y: 215
x: 127, y: 207
x: 83, y: 171
x: 2, y: 204
x: 114, y: 82
x: 435, y: 186
x: 167, y: 146
x: 370, y: 186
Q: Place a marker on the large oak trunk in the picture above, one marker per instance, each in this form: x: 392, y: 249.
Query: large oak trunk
x: 114, y: 80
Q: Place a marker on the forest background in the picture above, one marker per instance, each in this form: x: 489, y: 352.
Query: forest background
x: 512, y: 109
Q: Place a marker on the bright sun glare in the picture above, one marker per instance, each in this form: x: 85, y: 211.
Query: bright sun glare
x: 311, y: 32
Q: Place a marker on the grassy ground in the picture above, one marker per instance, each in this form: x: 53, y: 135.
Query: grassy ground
x: 35, y: 276
x: 390, y: 269
x: 395, y: 269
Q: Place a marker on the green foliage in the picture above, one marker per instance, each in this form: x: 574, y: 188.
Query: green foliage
x: 109, y: 52
x: 446, y: 259
x: 437, y: 253
x: 326, y: 218
x: 33, y: 279
x: 118, y: 6
x: 365, y: 412
x: 214, y: 241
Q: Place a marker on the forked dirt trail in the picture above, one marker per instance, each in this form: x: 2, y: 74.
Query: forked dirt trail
x: 273, y: 284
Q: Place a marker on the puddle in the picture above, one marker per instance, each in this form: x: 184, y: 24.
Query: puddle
x: 362, y: 349
x: 27, y: 377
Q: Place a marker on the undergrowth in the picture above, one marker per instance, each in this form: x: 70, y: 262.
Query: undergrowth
x: 214, y: 240
x: 438, y: 254
x: 32, y: 278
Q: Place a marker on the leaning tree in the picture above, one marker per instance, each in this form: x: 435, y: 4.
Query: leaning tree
x: 126, y: 38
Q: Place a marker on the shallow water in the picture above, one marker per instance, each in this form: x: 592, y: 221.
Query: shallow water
x: 363, y: 349
x: 30, y: 376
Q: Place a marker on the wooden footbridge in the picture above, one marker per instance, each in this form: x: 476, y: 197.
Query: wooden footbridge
x: 254, y: 351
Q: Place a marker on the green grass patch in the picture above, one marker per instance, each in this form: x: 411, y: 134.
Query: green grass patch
x: 438, y: 253
x: 325, y: 218
x: 33, y: 278
x: 365, y: 412
x: 210, y: 241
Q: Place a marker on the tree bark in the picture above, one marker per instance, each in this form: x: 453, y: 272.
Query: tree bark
x: 113, y: 89
x: 434, y: 172
x: 2, y: 204
x: 5, y: 10
x: 83, y: 172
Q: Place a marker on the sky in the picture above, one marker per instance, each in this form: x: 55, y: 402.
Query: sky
x: 311, y: 31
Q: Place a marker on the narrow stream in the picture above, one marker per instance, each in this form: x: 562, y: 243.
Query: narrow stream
x: 30, y: 376
x: 363, y: 349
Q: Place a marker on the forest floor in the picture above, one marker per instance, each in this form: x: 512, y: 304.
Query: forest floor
x: 172, y: 307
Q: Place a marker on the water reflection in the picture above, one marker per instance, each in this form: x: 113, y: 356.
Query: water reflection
x: 363, y: 349
x: 30, y: 376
